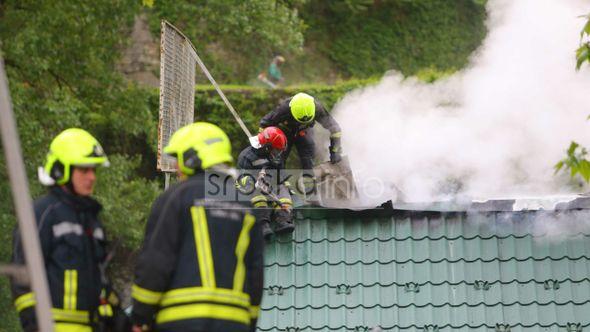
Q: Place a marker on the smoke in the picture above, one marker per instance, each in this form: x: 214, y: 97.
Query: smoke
x: 495, y: 129
x: 556, y: 227
x: 544, y: 226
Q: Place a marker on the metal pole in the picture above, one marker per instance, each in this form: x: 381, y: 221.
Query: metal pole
x: 24, y: 207
x: 166, y: 180
x: 222, y: 95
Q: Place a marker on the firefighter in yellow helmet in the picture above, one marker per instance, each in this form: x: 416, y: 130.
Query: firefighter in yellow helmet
x: 200, y: 267
x: 296, y: 117
x: 71, y: 235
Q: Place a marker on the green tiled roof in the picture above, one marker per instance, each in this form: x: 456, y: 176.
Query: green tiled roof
x: 426, y: 271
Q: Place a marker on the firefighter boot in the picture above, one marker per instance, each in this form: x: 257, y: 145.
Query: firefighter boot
x: 283, y: 222
x: 266, y: 230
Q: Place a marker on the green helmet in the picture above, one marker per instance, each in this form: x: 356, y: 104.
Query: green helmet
x: 199, y: 145
x: 72, y: 147
x: 302, y: 107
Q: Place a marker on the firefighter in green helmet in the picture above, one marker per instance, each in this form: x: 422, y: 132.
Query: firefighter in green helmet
x: 200, y: 267
x: 72, y: 238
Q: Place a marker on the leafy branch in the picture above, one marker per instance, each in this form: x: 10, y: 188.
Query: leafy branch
x: 575, y: 161
x: 583, y: 52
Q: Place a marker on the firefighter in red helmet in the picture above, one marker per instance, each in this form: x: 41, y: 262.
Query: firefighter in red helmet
x: 260, y: 179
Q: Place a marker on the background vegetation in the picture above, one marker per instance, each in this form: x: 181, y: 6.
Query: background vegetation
x: 324, y: 41
x: 402, y: 35
x: 61, y: 58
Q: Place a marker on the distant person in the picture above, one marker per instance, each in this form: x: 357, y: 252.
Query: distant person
x: 273, y: 76
x: 72, y: 237
x: 296, y: 117
x: 259, y: 166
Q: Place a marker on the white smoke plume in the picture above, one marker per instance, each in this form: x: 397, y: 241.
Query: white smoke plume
x: 495, y: 129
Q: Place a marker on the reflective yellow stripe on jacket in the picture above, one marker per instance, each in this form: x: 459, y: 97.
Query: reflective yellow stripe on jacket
x: 259, y: 201
x: 202, y: 294
x: 204, y: 310
x: 24, y: 301
x: 105, y: 310
x: 203, y: 245
x: 229, y: 305
x: 241, y: 248
x: 186, y: 303
x: 254, y: 311
x: 67, y: 327
x: 72, y: 316
x: 145, y: 295
x: 70, y: 289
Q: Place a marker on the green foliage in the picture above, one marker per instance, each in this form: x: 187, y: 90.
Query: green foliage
x: 575, y: 162
x: 583, y: 52
x: 126, y: 200
x: 431, y: 74
x: 349, y: 6
x: 339, y: 39
x: 403, y: 35
x: 8, y: 317
x: 582, y: 55
x: 9, y: 320
x: 235, y: 37
x: 60, y: 59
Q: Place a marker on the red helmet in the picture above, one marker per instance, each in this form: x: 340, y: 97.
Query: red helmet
x: 273, y: 137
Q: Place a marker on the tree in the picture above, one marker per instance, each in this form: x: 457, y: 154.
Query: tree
x: 60, y: 58
x: 236, y: 38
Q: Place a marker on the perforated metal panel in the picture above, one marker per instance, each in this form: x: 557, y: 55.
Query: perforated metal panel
x: 177, y: 93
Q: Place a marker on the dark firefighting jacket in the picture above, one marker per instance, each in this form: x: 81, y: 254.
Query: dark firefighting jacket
x: 255, y: 159
x: 200, y: 267
x: 73, y: 244
x: 250, y: 162
x: 281, y: 117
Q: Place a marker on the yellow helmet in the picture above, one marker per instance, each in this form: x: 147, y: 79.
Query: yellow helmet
x: 73, y: 147
x: 199, y: 145
x: 302, y: 107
